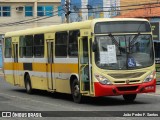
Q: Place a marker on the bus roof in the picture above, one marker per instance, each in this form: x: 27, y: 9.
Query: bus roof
x: 67, y: 26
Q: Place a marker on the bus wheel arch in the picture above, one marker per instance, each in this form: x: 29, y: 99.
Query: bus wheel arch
x: 27, y: 83
x: 75, y: 89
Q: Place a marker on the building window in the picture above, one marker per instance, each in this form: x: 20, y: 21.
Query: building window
x: 39, y: 45
x: 60, y: 11
x: 26, y: 46
x: 61, y: 44
x: 8, y: 52
x: 73, y: 43
x: 45, y: 11
x: 5, y: 11
x: 28, y: 11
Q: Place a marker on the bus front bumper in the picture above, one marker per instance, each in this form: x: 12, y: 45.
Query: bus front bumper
x: 113, y: 90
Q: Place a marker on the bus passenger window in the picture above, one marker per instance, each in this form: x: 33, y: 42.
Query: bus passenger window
x: 21, y: 46
x: 8, y: 48
x: 73, y: 43
x: 39, y: 45
x: 61, y: 44
x: 26, y: 46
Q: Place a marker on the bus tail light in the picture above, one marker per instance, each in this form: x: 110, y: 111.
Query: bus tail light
x: 103, y: 80
x: 150, y: 77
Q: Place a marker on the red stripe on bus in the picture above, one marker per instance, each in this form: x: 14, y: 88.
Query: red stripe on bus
x: 112, y: 90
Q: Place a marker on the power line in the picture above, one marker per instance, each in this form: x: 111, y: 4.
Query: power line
x: 124, y: 2
x: 133, y: 5
x: 116, y: 10
x: 40, y: 18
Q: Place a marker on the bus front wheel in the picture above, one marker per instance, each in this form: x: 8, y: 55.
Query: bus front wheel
x: 28, y: 84
x: 77, y: 97
x: 129, y: 97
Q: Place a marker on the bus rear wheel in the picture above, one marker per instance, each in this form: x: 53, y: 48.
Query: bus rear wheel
x: 77, y: 97
x: 28, y: 85
x: 129, y: 97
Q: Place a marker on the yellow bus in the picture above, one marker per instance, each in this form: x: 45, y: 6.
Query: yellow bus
x: 99, y: 57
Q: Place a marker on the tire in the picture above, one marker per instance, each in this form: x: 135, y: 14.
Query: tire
x: 77, y: 97
x: 28, y: 85
x: 130, y: 97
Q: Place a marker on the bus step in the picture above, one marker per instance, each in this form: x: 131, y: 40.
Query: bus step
x: 84, y: 92
x: 51, y: 90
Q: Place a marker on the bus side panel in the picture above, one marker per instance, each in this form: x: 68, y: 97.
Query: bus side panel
x: 63, y: 86
x: 21, y: 79
x: 63, y: 73
x: 39, y: 83
x: 39, y: 76
x: 21, y: 74
x: 8, y: 72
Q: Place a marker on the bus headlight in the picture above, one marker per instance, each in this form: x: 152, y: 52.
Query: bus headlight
x: 103, y: 80
x: 150, y: 77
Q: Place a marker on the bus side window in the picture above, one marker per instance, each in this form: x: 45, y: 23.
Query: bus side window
x: 61, y: 44
x: 21, y: 46
x: 73, y: 43
x: 8, y: 48
x: 39, y: 45
x: 28, y: 46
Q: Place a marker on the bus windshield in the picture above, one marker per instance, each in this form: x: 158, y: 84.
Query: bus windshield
x: 116, y: 52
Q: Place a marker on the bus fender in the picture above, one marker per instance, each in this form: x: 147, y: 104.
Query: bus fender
x: 72, y: 76
x: 25, y: 73
x: 75, y: 75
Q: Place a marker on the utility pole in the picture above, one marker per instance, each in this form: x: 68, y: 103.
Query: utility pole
x: 67, y: 11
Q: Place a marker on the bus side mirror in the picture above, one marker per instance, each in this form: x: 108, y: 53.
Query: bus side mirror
x: 94, y: 47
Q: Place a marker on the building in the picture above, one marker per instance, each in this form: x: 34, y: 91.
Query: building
x: 150, y: 12
x: 23, y: 14
x: 81, y: 10
x: 15, y: 13
x: 129, y: 5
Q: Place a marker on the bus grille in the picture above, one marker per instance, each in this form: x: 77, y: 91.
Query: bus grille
x: 127, y: 75
x: 130, y: 88
x: 131, y: 81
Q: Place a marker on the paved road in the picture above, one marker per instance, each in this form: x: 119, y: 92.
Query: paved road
x: 16, y: 99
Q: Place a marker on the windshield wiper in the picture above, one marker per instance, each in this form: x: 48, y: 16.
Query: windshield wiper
x: 134, y: 39
x: 116, y: 43
x: 114, y: 40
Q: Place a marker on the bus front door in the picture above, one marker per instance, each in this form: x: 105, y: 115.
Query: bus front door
x: 50, y: 65
x: 15, y: 64
x: 84, y: 65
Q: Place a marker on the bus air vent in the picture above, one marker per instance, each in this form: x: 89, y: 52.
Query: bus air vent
x: 124, y: 81
x: 128, y: 88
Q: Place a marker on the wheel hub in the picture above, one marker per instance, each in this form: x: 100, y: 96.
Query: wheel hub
x: 28, y: 87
